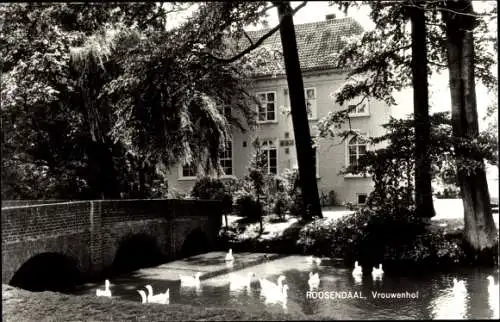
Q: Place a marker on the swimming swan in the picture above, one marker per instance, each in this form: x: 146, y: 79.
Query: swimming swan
x: 143, y: 296
x: 312, y: 259
x: 458, y: 286
x: 229, y: 256
x: 357, y: 271
x: 313, y: 280
x: 377, y: 272
x: 193, y: 280
x: 493, y: 291
x: 238, y: 282
x: 277, y: 296
x: 270, y: 287
x: 106, y: 292
x: 160, y: 298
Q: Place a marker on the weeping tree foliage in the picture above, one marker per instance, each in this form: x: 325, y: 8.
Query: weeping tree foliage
x: 100, y: 99
x: 170, y: 93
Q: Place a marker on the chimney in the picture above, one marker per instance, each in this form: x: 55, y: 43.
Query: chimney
x: 330, y: 16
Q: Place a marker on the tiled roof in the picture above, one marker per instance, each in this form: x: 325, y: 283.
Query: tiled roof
x: 318, y: 44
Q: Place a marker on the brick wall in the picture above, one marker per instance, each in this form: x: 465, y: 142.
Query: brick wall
x: 40, y: 221
x: 92, y: 231
x: 17, y: 203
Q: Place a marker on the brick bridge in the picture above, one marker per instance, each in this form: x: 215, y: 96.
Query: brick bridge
x: 93, y: 234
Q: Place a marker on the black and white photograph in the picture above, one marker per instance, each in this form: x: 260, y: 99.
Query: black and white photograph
x: 249, y: 160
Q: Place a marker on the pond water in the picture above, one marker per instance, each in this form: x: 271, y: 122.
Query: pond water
x: 429, y: 296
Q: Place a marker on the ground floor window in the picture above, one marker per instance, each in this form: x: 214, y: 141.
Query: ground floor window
x: 226, y: 159
x: 271, y: 156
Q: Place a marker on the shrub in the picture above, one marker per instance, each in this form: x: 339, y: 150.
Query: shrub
x: 249, y: 207
x: 296, y: 205
x: 213, y: 189
x: 278, y: 197
x: 174, y: 193
x: 396, y: 238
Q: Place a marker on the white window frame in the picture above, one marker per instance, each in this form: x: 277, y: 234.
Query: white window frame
x: 356, y: 113
x: 224, y: 175
x: 266, y: 102
x: 274, y: 146
x: 181, y: 173
x: 347, y: 156
x: 314, y: 109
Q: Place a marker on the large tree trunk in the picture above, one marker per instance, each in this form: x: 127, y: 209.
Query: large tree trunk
x: 102, y: 176
x: 423, y: 187
x: 479, y: 229
x: 303, y: 141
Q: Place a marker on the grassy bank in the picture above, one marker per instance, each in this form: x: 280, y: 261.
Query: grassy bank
x: 20, y: 305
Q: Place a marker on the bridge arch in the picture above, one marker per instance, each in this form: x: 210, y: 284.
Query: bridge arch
x: 196, y: 242
x: 135, y: 251
x: 48, y: 271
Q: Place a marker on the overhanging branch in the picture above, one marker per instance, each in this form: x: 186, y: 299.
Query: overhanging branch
x: 257, y: 43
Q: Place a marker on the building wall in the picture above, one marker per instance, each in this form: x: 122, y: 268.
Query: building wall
x: 331, y: 152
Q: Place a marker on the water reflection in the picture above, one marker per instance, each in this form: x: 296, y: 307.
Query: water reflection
x: 493, y: 299
x: 437, y: 298
x: 451, y: 303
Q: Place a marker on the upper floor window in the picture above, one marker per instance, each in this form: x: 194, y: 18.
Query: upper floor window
x: 359, y: 110
x: 266, y: 110
x: 271, y: 156
x: 226, y: 159
x: 356, y: 147
x: 311, y: 105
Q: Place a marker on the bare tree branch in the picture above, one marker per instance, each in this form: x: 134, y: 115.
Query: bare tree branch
x: 265, y: 9
x: 161, y: 11
x: 258, y: 42
x: 425, y: 7
x: 437, y: 64
x: 248, y: 37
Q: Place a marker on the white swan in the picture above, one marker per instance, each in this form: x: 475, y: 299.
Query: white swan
x: 492, y: 287
x: 238, y: 282
x: 270, y: 287
x: 458, y: 286
x: 160, y: 298
x: 229, y: 256
x: 493, y: 291
x: 313, y: 280
x: 312, y: 259
x: 190, y: 280
x: 277, y: 296
x: 106, y: 292
x: 357, y: 271
x: 143, y: 296
x: 378, y: 272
